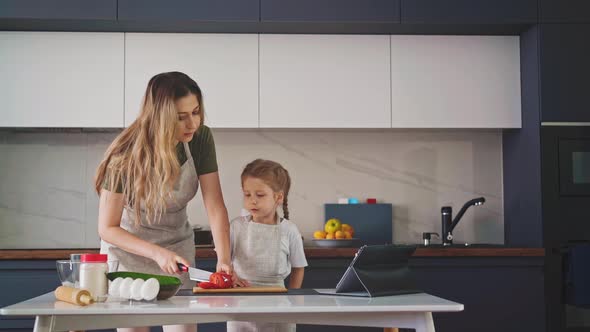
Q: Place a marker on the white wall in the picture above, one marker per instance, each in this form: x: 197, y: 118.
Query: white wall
x: 47, y: 200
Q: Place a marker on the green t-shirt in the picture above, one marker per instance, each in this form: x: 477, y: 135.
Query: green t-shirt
x: 202, y: 149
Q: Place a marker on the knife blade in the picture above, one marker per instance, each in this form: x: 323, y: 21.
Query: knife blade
x: 194, y: 273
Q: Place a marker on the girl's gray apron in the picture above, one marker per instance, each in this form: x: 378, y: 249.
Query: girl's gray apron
x: 261, y: 266
x: 172, y: 231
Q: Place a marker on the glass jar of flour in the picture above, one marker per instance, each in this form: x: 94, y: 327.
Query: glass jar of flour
x: 93, y: 275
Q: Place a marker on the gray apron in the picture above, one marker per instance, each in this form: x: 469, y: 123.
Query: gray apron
x: 256, y: 259
x: 172, y: 231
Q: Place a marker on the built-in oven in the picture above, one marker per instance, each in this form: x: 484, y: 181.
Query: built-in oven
x: 565, y: 181
x: 574, y: 164
x: 565, y: 185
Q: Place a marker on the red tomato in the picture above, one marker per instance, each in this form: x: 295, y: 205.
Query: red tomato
x: 222, y: 280
x: 207, y: 285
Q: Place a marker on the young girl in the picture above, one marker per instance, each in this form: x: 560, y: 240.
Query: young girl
x: 265, y: 248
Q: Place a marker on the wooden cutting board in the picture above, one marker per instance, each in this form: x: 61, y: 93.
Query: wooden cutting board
x: 199, y: 290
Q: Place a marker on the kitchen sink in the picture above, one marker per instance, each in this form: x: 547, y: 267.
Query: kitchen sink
x: 456, y: 245
x: 464, y: 245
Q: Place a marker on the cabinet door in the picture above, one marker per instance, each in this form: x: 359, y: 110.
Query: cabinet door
x: 33, y: 277
x: 224, y: 65
x: 61, y: 79
x: 59, y: 9
x: 455, y: 81
x: 384, y: 11
x: 565, y: 69
x: 189, y: 10
x: 469, y: 11
x: 324, y: 81
x: 560, y: 11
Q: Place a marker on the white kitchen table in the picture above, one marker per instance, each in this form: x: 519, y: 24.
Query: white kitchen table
x: 401, y: 311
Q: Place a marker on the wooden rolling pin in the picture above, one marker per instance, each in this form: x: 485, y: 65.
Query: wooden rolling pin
x: 73, y: 295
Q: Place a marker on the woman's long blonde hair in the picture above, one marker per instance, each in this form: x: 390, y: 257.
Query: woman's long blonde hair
x: 142, y: 159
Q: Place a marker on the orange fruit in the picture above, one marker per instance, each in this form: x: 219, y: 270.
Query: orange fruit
x: 330, y: 236
x: 347, y: 235
x: 347, y: 228
x: 319, y: 235
x: 339, y: 235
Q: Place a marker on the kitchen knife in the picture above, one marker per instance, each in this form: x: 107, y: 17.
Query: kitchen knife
x: 194, y: 273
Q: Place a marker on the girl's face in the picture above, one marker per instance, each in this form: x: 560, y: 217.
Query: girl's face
x: 189, y: 117
x: 260, y: 200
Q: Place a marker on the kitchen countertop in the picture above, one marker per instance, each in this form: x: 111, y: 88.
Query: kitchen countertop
x: 310, y: 252
x: 413, y: 311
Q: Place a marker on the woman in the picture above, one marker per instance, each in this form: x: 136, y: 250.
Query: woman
x: 149, y: 174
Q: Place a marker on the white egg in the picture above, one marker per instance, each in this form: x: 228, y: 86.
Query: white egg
x: 150, y: 289
x: 114, y: 287
x: 136, y: 289
x: 125, y: 288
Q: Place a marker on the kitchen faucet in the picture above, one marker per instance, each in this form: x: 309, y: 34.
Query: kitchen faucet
x: 448, y: 223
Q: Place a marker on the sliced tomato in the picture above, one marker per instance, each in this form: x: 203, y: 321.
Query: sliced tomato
x: 222, y: 280
x: 207, y: 285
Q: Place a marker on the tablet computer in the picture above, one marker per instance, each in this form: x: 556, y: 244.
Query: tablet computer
x: 377, y: 270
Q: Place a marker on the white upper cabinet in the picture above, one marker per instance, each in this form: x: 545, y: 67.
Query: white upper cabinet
x: 225, y: 66
x: 61, y: 79
x: 324, y: 81
x: 455, y: 81
x: 88, y: 79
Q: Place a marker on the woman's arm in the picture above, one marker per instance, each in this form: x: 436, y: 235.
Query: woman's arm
x: 296, y: 277
x: 110, y: 210
x: 217, y: 213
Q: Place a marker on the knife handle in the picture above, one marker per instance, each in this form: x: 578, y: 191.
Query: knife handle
x: 182, y: 267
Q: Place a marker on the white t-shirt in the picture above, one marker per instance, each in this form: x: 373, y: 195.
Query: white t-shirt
x: 289, y: 255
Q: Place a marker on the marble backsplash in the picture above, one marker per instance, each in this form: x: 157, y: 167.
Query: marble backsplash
x: 47, y: 199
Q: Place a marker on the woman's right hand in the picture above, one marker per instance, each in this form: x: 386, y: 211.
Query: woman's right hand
x: 168, y: 261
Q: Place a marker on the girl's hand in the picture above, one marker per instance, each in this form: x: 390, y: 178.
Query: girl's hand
x: 225, y: 267
x: 168, y: 260
x: 239, y: 282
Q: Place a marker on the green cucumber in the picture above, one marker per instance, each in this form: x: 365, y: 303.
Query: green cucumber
x: 163, y: 280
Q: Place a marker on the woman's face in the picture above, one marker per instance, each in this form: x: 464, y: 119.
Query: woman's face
x: 260, y: 200
x: 189, y: 117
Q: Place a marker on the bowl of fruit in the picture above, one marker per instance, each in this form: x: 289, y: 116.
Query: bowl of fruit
x: 335, y: 234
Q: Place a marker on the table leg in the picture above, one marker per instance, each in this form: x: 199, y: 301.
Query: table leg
x: 44, y: 324
x: 425, y: 323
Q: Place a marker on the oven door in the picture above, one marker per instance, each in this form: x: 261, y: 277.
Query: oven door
x: 574, y: 167
x: 565, y: 181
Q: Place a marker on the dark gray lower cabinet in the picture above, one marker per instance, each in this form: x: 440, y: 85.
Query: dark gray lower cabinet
x: 499, y: 293
x: 22, y: 280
